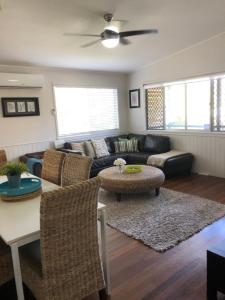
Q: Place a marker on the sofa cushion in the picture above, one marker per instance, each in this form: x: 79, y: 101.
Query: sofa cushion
x: 156, y: 144
x: 100, y: 148
x: 137, y: 158
x: 89, y: 149
x: 110, y: 142
x: 125, y: 145
x: 107, y: 161
x: 140, y: 138
x: 78, y: 147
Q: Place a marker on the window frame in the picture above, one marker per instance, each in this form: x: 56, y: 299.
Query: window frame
x: 210, y: 131
x: 87, y: 134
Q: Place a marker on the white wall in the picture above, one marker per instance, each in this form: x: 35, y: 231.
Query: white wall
x: 19, y: 135
x: 207, y: 57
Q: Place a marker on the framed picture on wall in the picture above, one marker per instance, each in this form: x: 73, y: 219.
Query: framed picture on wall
x: 134, y: 97
x: 20, y: 106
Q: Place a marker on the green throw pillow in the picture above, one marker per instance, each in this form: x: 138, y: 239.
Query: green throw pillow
x: 125, y: 145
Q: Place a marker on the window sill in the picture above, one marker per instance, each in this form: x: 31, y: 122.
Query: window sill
x: 188, y: 132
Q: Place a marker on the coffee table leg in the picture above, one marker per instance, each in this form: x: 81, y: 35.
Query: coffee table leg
x: 118, y: 197
x: 157, y: 191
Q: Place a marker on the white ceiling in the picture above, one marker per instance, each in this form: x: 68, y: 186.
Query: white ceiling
x: 31, y: 31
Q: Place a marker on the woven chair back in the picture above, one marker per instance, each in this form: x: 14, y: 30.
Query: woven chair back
x: 52, y: 166
x: 71, y: 264
x: 76, y: 168
x: 3, y: 158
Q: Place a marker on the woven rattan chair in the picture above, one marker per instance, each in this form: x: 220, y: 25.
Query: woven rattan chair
x: 3, y: 158
x: 76, y: 168
x: 6, y: 267
x: 52, y: 166
x: 66, y: 264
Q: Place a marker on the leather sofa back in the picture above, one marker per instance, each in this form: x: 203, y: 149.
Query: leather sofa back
x: 156, y: 144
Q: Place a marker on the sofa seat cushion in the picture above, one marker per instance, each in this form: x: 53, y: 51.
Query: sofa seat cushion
x: 137, y: 158
x: 107, y: 161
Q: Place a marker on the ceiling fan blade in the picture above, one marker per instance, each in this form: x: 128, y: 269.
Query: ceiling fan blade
x: 124, y: 41
x: 80, y: 34
x: 90, y: 44
x: 137, y: 32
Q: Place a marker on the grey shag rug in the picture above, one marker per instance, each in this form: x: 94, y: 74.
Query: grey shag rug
x: 160, y: 222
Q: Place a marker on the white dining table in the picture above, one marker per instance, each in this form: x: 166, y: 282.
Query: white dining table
x: 20, y: 225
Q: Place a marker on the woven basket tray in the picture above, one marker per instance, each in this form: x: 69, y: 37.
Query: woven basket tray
x: 22, y: 197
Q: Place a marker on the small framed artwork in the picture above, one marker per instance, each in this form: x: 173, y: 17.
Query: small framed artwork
x: 20, y: 107
x: 134, y: 96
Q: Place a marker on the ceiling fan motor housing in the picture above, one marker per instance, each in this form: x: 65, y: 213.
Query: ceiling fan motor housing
x: 108, y: 17
x: 109, y: 34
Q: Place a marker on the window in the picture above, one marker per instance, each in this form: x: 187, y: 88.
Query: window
x: 197, y: 104
x: 175, y: 106
x: 85, y: 110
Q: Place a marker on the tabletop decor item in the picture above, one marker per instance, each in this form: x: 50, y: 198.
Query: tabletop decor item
x: 29, y: 188
x: 120, y: 162
x: 133, y: 169
x: 13, y: 172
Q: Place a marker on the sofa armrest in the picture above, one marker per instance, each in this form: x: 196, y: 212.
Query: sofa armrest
x: 178, y: 165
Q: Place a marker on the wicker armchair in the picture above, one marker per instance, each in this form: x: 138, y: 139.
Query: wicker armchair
x: 3, y: 158
x: 66, y: 265
x: 76, y: 168
x: 52, y: 166
x: 6, y: 267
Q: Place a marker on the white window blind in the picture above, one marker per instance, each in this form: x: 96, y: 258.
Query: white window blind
x: 85, y: 110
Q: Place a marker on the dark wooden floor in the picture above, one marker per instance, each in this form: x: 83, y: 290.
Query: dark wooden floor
x: 140, y: 273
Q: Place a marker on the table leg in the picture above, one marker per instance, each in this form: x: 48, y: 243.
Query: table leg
x: 118, y: 197
x: 17, y: 271
x: 157, y: 191
x: 105, y: 263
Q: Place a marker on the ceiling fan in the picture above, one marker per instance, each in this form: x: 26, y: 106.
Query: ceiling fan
x: 111, y: 36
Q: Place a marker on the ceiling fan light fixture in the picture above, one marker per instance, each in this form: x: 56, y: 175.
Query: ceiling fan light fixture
x: 110, y: 43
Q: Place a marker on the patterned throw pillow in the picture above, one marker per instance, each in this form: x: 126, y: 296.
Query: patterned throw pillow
x: 79, y: 147
x: 125, y: 145
x: 100, y: 147
x: 90, y: 151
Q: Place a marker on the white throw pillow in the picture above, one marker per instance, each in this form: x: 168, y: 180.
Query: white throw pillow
x: 100, y: 147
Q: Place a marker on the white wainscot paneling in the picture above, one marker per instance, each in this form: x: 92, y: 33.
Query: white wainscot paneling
x: 13, y: 152
x: 208, y: 150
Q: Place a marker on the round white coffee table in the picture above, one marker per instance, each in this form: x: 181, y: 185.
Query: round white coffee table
x: 114, y: 181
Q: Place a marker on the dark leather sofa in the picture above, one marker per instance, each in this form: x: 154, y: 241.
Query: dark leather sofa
x: 147, y: 145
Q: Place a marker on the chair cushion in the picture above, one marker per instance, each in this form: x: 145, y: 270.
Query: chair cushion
x: 156, y: 144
